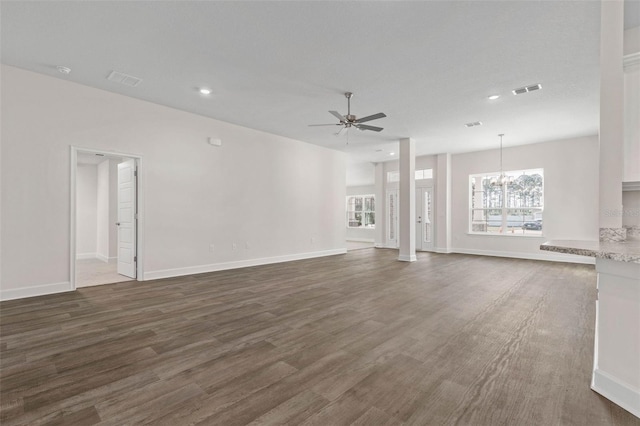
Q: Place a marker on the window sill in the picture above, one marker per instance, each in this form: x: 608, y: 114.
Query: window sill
x: 485, y: 234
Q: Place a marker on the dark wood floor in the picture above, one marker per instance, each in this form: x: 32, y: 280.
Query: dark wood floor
x: 353, y: 339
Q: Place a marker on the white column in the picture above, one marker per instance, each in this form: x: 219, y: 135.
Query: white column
x: 407, y: 196
x: 443, y: 203
x: 611, y: 113
x: 380, y: 204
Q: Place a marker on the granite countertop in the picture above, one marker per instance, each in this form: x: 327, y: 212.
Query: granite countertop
x: 626, y: 251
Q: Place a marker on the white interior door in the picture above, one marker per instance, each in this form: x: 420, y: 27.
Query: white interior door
x: 392, y: 216
x: 424, y: 219
x: 127, y: 218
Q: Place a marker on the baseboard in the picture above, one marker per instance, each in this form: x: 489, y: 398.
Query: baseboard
x: 442, y: 250
x: 81, y: 256
x: 616, y: 391
x: 104, y: 258
x: 177, y: 272
x: 553, y: 257
x: 407, y: 258
x: 387, y: 246
x: 362, y: 240
x: 36, y: 290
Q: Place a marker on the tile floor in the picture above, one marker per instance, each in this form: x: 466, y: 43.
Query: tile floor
x: 90, y: 272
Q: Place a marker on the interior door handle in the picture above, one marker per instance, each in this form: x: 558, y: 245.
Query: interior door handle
x: 117, y: 223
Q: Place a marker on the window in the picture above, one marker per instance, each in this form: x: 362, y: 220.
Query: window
x: 361, y: 211
x: 420, y: 174
x: 514, y: 208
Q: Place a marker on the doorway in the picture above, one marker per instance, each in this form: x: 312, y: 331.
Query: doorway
x: 105, y: 242
x: 424, y: 219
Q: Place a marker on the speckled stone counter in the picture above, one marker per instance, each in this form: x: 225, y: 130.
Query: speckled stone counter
x: 626, y: 251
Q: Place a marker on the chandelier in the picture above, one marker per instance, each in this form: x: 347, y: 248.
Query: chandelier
x: 502, y: 180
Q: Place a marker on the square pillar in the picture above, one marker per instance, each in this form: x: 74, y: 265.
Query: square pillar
x: 407, y: 197
x: 611, y: 118
x: 443, y: 203
x: 380, y: 204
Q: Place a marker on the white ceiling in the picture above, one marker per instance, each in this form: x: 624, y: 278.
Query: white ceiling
x: 279, y: 66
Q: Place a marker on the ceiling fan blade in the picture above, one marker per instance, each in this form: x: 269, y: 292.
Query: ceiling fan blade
x: 340, y: 131
x: 365, y: 127
x: 337, y: 115
x: 370, y: 117
x: 334, y: 124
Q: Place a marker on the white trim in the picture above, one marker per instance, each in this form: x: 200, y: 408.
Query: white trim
x: 200, y: 269
x: 617, y: 391
x: 631, y: 186
x: 388, y: 246
x: 36, y: 290
x: 104, y: 258
x: 80, y: 256
x: 73, y: 166
x: 505, y: 235
x: 442, y: 250
x: 361, y: 240
x: 407, y: 258
x: 553, y: 257
x: 72, y: 209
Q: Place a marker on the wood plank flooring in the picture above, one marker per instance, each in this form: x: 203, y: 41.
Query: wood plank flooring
x: 355, y: 339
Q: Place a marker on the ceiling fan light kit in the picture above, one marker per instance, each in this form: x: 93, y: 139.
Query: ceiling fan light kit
x: 349, y: 120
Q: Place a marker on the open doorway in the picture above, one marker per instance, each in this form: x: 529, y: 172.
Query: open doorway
x: 104, y: 218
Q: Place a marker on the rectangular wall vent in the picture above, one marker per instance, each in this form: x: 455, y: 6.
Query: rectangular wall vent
x: 527, y: 89
x: 475, y: 123
x: 122, y: 78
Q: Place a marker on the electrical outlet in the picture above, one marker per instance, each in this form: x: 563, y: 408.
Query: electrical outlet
x: 313, y: 240
x: 234, y: 246
x: 246, y: 245
x: 211, y: 248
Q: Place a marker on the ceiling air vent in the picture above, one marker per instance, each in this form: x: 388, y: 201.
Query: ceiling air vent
x: 527, y: 89
x: 475, y: 123
x: 122, y: 78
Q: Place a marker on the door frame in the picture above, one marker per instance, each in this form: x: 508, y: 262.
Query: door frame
x: 422, y: 189
x: 74, y: 151
x: 392, y: 243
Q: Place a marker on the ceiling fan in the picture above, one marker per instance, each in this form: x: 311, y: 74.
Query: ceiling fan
x: 348, y: 121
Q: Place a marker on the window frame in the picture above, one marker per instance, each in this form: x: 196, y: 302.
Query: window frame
x: 364, y: 212
x: 537, y: 211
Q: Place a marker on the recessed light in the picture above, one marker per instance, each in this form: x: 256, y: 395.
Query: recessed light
x: 493, y: 97
x: 392, y: 153
x: 63, y: 70
x: 205, y: 91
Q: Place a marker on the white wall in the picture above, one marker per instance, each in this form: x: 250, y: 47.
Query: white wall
x: 102, y: 226
x: 86, y: 211
x: 570, y: 195
x: 361, y: 234
x: 274, y: 197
